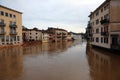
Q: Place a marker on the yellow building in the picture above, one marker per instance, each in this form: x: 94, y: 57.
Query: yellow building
x: 10, y: 26
x: 105, y: 25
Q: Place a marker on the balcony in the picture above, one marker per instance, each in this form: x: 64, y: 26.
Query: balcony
x: 58, y: 36
x: 58, y: 33
x: 90, y: 34
x: 64, y: 37
x: 2, y: 24
x: 63, y: 33
x: 2, y: 33
x: 105, y: 21
x: 89, y: 26
x: 13, y: 33
x: 104, y: 33
x: 115, y: 47
x: 13, y: 26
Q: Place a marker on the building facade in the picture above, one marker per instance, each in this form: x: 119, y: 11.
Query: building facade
x: 45, y: 36
x: 58, y: 34
x: 105, y: 25
x: 32, y: 34
x: 76, y: 36
x: 10, y: 26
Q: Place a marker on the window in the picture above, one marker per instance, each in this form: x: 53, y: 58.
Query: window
x: 2, y: 38
x: 14, y: 23
x: 102, y: 10
x: 106, y: 16
x: 30, y: 33
x: 101, y: 40
x: 1, y: 21
x: 6, y: 14
x: 2, y: 30
x: 101, y: 18
x: 105, y: 40
x: 14, y: 16
x: 97, y: 13
x: 97, y: 39
x: 101, y: 29
x: 10, y: 15
x: 36, y: 33
x: 2, y: 13
x: 10, y: 22
x: 106, y: 7
x: 18, y: 38
x: 93, y: 39
x: 97, y: 21
x: 97, y: 30
x: 93, y: 23
x: 14, y: 38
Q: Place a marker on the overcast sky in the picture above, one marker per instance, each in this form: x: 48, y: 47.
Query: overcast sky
x: 71, y: 15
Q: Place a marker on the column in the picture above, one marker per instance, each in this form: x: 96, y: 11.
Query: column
x: 9, y: 39
x: 16, y: 40
x: 21, y: 40
x: 4, y: 39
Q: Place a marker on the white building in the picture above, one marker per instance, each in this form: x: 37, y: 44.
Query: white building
x: 76, y: 36
x: 32, y: 34
x: 45, y: 36
x: 105, y: 25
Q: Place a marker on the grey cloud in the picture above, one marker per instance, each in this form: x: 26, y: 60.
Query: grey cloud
x: 48, y: 12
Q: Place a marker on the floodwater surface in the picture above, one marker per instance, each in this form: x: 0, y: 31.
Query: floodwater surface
x: 58, y: 61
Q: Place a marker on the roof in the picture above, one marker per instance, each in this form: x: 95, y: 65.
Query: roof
x: 106, y: 1
x: 34, y: 29
x: 10, y: 9
x: 75, y: 33
x: 50, y: 28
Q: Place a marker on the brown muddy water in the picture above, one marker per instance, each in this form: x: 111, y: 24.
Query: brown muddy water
x: 58, y: 61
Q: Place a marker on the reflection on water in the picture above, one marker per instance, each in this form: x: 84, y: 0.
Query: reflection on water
x: 47, y: 61
x: 104, y: 65
x: 11, y: 64
x: 58, y: 61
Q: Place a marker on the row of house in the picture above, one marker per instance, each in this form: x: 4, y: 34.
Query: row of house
x: 49, y: 35
x: 12, y: 32
x: 103, y: 29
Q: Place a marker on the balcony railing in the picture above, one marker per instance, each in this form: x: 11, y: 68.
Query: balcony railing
x: 13, y: 33
x: 104, y: 33
x: 104, y: 21
x: 2, y: 24
x: 13, y: 26
x: 2, y: 33
x: 115, y: 47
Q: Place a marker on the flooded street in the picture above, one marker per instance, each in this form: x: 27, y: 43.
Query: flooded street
x: 58, y: 61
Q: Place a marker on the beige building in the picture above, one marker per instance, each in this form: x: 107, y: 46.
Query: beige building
x: 105, y: 25
x: 59, y: 34
x: 69, y: 37
x: 10, y: 26
x: 32, y: 34
x: 45, y: 36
